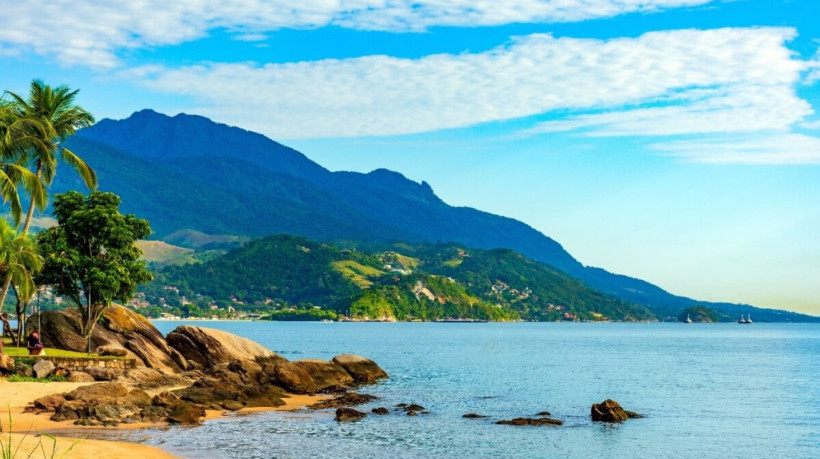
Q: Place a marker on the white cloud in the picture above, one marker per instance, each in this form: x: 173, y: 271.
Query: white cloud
x: 722, y: 80
x: 772, y: 149
x: 94, y: 32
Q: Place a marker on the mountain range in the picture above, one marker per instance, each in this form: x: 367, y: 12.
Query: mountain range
x: 189, y: 175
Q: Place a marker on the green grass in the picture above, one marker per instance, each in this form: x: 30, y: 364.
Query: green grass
x: 52, y: 378
x: 453, y: 263
x: 23, y: 352
x: 357, y: 272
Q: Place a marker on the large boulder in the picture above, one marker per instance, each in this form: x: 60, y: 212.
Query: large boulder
x: 326, y: 375
x: 362, y: 369
x: 207, y: 347
x: 120, y: 331
x: 610, y: 411
x: 6, y: 364
x: 93, y: 392
x: 294, y: 378
x: 43, y: 368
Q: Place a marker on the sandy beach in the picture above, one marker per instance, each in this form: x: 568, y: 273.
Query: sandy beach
x: 27, y: 426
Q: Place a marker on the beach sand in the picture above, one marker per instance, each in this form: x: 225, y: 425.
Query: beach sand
x: 26, y: 426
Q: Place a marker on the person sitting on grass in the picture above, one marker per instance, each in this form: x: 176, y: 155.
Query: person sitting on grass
x: 33, y: 344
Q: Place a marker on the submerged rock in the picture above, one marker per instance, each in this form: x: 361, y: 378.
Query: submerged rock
x: 473, y: 416
x: 348, y: 399
x: 186, y: 413
x: 532, y: 422
x: 380, y: 411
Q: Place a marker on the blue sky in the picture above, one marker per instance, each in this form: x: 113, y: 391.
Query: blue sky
x: 677, y: 141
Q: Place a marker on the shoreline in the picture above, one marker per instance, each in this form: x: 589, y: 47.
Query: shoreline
x: 26, y: 427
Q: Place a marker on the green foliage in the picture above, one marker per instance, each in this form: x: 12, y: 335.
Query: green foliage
x: 310, y: 314
x: 423, y: 283
x: 8, y: 451
x: 90, y: 257
x: 52, y: 378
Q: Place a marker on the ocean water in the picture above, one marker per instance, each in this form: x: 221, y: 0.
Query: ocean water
x: 707, y: 390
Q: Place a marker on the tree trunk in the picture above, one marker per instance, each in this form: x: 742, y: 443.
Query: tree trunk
x: 5, y: 291
x: 30, y: 214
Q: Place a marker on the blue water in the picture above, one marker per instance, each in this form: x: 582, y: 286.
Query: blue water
x: 707, y: 390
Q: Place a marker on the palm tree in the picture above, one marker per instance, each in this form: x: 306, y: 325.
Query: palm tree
x: 54, y: 110
x: 19, y: 261
x: 18, y: 135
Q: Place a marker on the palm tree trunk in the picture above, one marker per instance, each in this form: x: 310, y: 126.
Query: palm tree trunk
x: 30, y: 214
x: 5, y: 290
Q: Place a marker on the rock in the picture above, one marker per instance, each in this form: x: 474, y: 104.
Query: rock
x: 213, y: 393
x: 61, y: 372
x: 233, y: 405
x: 21, y: 369
x: 349, y: 414
x: 112, y: 350
x: 608, y: 411
x: 413, y: 407
x: 544, y: 413
x: 185, y: 413
x: 326, y: 375
x: 153, y: 413
x: 80, y: 376
x: 362, y: 370
x: 208, y: 347
x: 294, y: 378
x: 633, y: 415
x: 102, y: 373
x: 68, y: 411
x: 49, y: 402
x: 532, y: 422
x: 43, y: 368
x: 412, y: 413
x: 119, y: 328
x: 165, y: 400
x: 380, y: 411
x: 348, y: 399
x: 95, y: 392
x: 149, y: 378
x: 473, y: 416
x: 6, y: 364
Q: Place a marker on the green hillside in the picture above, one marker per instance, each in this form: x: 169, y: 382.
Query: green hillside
x: 400, y: 281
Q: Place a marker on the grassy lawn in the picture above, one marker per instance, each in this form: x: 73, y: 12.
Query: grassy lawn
x: 8, y: 349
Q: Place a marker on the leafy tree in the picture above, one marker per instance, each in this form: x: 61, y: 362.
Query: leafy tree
x: 19, y: 135
x: 90, y: 257
x: 19, y: 261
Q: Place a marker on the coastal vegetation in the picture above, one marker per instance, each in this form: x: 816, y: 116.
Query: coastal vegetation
x: 702, y: 314
x: 288, y: 277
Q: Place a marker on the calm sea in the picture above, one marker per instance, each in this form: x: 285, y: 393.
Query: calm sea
x: 707, y: 390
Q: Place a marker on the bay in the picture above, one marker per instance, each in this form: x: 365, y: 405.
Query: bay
x: 707, y: 390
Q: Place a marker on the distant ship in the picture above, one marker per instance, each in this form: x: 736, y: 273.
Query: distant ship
x: 745, y: 321
x: 688, y: 319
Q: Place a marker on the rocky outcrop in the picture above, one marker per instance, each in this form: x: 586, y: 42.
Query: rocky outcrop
x: 120, y: 331
x: 363, y: 370
x: 206, y: 347
x: 610, y: 411
x: 328, y: 376
x: 473, y: 416
x: 348, y: 399
x: 80, y: 376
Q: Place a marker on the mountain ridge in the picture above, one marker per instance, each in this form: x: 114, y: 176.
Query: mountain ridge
x: 189, y: 172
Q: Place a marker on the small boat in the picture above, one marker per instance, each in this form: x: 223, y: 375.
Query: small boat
x: 743, y: 320
x: 688, y: 319
x: 748, y: 318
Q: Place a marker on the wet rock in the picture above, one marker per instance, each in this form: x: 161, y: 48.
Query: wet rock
x: 413, y: 407
x: 348, y: 399
x: 68, y: 411
x: 412, y: 413
x: 473, y: 416
x: 379, y: 411
x: 545, y: 413
x: 349, y: 414
x: 233, y: 405
x: 86, y: 422
x: 608, y: 411
x: 633, y: 415
x: 186, y: 413
x: 326, y: 375
x: 49, y: 402
x: 531, y: 422
x: 153, y: 413
x: 294, y: 378
x: 363, y: 370
x: 43, y: 368
x: 80, y: 376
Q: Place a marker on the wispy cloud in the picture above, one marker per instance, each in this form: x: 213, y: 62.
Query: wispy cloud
x: 773, y: 149
x: 94, y: 32
x: 723, y: 80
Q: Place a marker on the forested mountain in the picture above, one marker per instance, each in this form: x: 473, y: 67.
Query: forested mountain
x: 432, y: 282
x: 189, y: 173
